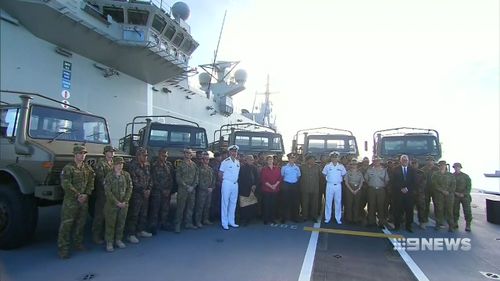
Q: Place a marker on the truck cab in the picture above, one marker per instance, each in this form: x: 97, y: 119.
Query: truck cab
x: 323, y: 140
x: 153, y: 135
x: 417, y: 143
x: 36, y: 142
x: 251, y: 139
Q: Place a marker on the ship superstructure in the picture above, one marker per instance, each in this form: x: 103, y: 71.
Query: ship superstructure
x: 118, y: 59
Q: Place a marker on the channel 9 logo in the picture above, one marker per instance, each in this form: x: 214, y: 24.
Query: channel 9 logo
x: 433, y: 244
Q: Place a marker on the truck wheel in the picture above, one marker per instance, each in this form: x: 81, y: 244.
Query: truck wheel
x: 18, y: 217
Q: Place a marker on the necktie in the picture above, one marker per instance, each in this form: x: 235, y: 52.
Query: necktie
x: 404, y: 172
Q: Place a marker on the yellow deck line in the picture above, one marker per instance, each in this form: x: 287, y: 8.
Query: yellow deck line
x: 354, y: 233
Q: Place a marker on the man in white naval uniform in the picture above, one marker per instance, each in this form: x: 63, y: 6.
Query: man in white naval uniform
x: 228, y: 172
x: 334, y: 173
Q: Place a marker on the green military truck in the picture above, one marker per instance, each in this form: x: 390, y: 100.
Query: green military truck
x: 154, y: 135
x: 323, y: 140
x: 417, y: 143
x: 36, y: 142
x: 251, y: 138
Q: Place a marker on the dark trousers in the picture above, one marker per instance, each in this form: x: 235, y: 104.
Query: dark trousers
x: 269, y: 206
x: 403, y: 204
x: 291, y: 201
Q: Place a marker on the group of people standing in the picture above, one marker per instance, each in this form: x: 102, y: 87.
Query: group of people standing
x: 135, y: 203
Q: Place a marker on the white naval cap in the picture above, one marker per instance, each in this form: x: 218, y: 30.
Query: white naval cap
x: 334, y: 153
x: 233, y: 147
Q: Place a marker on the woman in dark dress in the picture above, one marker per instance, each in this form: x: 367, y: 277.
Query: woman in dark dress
x: 247, y: 184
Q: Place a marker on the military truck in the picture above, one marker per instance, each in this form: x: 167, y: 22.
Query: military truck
x: 154, y: 135
x: 250, y: 137
x: 323, y: 140
x: 417, y: 143
x: 36, y: 142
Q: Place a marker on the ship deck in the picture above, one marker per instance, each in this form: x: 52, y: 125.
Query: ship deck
x: 259, y: 252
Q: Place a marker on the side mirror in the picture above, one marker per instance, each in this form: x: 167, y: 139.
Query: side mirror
x: 366, y: 146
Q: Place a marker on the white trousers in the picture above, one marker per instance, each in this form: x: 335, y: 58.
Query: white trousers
x: 229, y: 197
x: 333, y: 195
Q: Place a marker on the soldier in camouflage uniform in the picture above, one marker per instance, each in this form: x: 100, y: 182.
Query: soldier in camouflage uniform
x: 77, y: 180
x: 187, y: 180
x: 428, y: 170
x: 162, y: 172
x: 462, y: 196
x: 138, y: 209
x: 103, y: 167
x: 420, y: 184
x: 206, y: 184
x: 118, y: 190
x: 443, y: 191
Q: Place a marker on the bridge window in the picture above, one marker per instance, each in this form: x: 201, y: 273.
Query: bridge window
x: 170, y: 32
x: 159, y: 23
x: 178, y: 39
x: 115, y: 13
x: 138, y: 17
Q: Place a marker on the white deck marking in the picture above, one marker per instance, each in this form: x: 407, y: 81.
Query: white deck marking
x: 419, y: 274
x: 307, y: 265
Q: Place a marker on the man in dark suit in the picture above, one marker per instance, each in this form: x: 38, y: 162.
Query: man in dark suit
x: 403, y: 188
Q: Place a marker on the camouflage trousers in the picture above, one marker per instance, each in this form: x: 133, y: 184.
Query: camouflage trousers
x: 98, y: 220
x: 73, y: 218
x: 185, y: 203
x: 203, y: 202
x: 352, y: 205
x: 159, y: 207
x: 443, y: 205
x: 465, y: 202
x: 137, y: 213
x: 115, y: 222
x: 423, y: 205
x: 376, y: 205
x: 309, y: 204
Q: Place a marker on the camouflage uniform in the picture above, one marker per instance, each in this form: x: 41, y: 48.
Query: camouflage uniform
x: 421, y: 185
x: 443, y: 203
x: 162, y: 173
x: 203, y: 196
x: 428, y: 171
x: 186, y: 174
x: 118, y: 189
x: 138, y: 208
x: 463, y: 186
x: 101, y: 170
x: 75, y: 180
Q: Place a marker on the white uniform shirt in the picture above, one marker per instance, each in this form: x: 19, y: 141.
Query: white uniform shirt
x: 230, y: 169
x: 334, y: 173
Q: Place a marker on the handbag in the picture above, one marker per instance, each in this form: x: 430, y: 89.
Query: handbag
x: 247, y: 201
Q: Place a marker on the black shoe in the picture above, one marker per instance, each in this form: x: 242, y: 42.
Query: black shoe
x: 396, y: 228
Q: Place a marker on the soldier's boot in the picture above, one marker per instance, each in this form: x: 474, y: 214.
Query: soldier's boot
x: 177, y: 228
x: 109, y: 247
x: 80, y: 247
x: 190, y: 226
x: 132, y: 239
x: 422, y: 225
x: 207, y: 222
x: 144, y: 234
x: 97, y: 240
x: 199, y: 225
x: 63, y: 254
x: 455, y: 226
x: 467, y: 227
x: 120, y: 244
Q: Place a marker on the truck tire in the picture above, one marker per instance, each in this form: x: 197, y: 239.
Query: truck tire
x: 18, y: 217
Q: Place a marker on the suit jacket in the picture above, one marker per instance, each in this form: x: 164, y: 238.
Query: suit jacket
x: 398, y: 181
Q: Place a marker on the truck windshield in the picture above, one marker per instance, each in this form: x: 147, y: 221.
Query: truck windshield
x: 254, y: 141
x: 411, y: 145
x: 344, y: 145
x: 60, y: 124
x: 177, y: 136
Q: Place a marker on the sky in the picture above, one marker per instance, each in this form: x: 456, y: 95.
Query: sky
x: 367, y: 65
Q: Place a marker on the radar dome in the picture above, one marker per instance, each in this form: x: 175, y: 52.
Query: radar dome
x: 180, y: 10
x: 204, y: 79
x: 240, y: 76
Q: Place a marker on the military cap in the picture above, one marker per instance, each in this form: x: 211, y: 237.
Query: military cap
x: 141, y: 150
x: 457, y: 165
x: 233, y: 147
x: 118, y: 160
x: 442, y: 162
x: 310, y: 156
x: 354, y: 161
x: 334, y: 154
x: 108, y: 148
x: 366, y: 159
x: 187, y: 149
x: 205, y: 154
x: 429, y: 158
x: 79, y: 149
